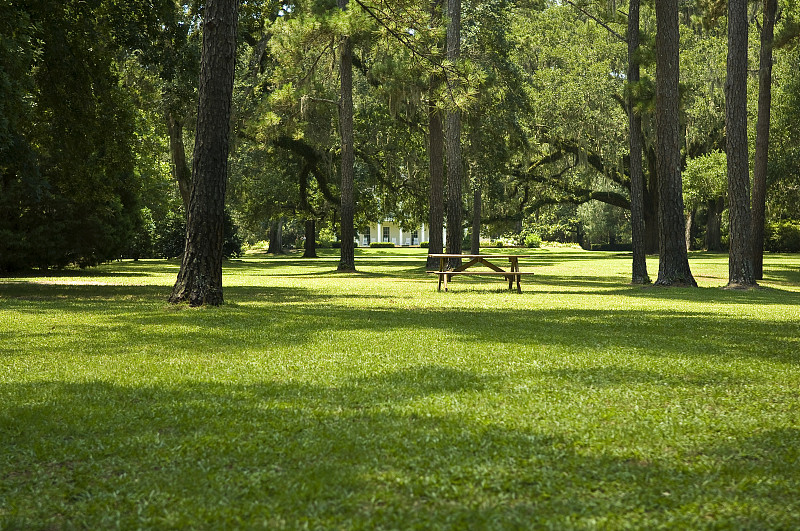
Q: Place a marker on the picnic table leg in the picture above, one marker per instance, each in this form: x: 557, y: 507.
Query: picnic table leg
x: 439, y: 288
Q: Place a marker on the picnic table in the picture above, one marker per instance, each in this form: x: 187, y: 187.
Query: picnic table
x: 513, y: 275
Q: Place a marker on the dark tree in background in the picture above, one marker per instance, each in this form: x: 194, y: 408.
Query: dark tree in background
x: 347, y: 252
x: 673, y: 264
x: 740, y: 262
x: 762, y: 136
x: 639, y: 272
x: 453, y: 142
x: 200, y: 278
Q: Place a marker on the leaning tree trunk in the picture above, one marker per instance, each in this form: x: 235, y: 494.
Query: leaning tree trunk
x: 347, y: 251
x: 180, y: 169
x: 639, y: 268
x: 762, y: 136
x: 673, y: 263
x: 453, y: 143
x: 200, y: 277
x: 740, y: 261
x: 436, y: 161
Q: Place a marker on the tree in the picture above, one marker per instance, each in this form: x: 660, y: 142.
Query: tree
x: 347, y: 251
x: 639, y: 268
x: 435, y: 158
x: 762, y: 136
x: 673, y: 264
x: 453, y: 141
x: 199, y: 280
x: 740, y: 262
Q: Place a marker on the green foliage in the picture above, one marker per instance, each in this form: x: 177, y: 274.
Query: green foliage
x: 532, y: 240
x: 782, y: 236
x: 381, y: 244
x: 423, y: 245
x: 705, y: 178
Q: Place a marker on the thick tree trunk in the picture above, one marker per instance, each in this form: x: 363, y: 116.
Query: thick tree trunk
x: 200, y: 278
x: 310, y: 245
x: 453, y: 143
x: 475, y: 243
x: 714, y: 224
x: 740, y: 260
x: 673, y: 264
x: 436, y: 163
x: 639, y: 269
x: 347, y: 251
x: 177, y: 151
x: 762, y: 136
x: 651, y: 241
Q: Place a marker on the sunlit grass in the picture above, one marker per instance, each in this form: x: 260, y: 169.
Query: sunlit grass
x: 314, y: 399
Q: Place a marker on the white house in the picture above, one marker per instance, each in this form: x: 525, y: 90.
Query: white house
x: 389, y: 230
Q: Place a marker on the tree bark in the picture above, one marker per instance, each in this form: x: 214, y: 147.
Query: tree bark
x: 714, y: 224
x: 639, y: 268
x: 200, y: 277
x: 310, y: 245
x: 673, y: 263
x: 453, y: 143
x: 177, y: 151
x: 762, y: 136
x: 475, y: 243
x: 435, y: 161
x: 347, y: 251
x: 740, y: 261
x: 275, y: 237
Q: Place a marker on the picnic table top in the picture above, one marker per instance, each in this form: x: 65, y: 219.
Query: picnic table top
x: 480, y: 255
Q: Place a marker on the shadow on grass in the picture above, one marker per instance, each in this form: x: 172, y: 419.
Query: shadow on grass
x: 365, y: 454
x: 139, y: 319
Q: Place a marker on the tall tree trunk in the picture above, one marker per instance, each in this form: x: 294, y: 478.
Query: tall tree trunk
x: 436, y: 161
x: 690, y: 228
x: 762, y: 136
x: 177, y: 151
x: 475, y: 243
x: 200, y: 277
x: 276, y: 237
x: 347, y: 251
x: 651, y: 239
x: 310, y: 245
x: 740, y: 260
x: 453, y: 143
x: 639, y: 269
x: 673, y: 263
x: 714, y: 224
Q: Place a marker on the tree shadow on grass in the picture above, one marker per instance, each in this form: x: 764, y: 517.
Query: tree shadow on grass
x: 368, y: 453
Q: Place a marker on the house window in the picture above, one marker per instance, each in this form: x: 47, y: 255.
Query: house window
x: 366, y: 238
x: 414, y: 237
x: 386, y: 234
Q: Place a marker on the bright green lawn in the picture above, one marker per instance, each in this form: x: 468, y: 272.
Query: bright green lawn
x: 330, y: 401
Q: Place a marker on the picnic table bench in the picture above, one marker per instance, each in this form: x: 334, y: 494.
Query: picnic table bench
x: 513, y: 275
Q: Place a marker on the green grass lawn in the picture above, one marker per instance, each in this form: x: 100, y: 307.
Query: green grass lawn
x: 320, y: 400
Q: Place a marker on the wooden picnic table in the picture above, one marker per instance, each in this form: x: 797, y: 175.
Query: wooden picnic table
x: 512, y: 275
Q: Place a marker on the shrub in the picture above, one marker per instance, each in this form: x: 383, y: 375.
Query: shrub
x: 533, y: 241
x: 782, y: 236
x: 497, y: 243
x: 381, y: 244
x: 424, y: 245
